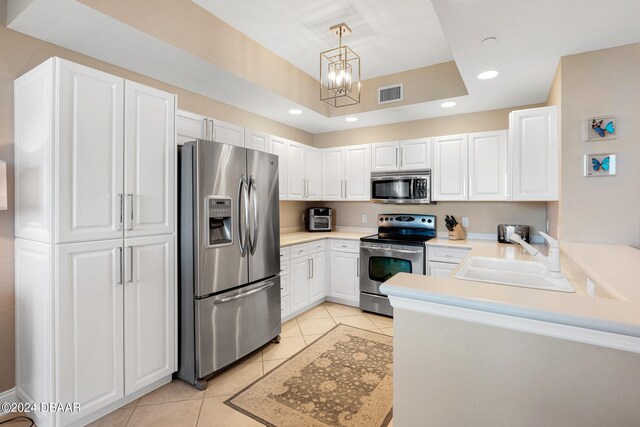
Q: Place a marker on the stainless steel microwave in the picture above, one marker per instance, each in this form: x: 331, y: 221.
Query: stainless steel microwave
x: 401, y: 187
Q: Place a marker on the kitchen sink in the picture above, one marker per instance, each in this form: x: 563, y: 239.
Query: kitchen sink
x: 528, y: 274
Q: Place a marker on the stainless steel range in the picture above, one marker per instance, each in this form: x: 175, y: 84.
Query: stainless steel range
x: 397, y: 248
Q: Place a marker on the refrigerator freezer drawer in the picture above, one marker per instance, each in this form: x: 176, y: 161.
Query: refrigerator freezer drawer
x: 232, y: 325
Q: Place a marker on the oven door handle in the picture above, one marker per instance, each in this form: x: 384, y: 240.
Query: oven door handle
x: 402, y: 251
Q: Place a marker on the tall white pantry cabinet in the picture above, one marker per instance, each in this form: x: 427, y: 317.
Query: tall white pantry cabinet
x: 95, y: 229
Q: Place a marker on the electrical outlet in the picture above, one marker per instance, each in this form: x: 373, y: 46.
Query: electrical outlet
x: 465, y: 221
x: 364, y: 219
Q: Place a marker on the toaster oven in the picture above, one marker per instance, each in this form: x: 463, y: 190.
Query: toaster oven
x: 319, y: 219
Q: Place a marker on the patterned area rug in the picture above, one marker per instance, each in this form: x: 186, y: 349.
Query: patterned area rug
x: 344, y: 378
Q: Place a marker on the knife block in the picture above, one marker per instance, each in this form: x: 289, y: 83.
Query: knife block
x: 458, y: 233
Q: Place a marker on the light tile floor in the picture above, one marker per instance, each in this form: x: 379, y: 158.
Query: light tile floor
x: 180, y: 404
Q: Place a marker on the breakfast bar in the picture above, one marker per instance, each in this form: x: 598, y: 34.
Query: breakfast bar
x: 468, y: 352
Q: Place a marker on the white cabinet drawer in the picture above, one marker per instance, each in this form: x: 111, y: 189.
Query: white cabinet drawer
x: 297, y: 251
x: 284, y: 254
x: 284, y: 267
x: 345, y: 245
x: 444, y: 254
x: 319, y: 246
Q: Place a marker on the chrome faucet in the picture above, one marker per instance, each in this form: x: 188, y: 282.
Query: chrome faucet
x: 552, y: 262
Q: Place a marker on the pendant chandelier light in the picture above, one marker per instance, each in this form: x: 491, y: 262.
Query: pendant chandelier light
x: 340, y: 72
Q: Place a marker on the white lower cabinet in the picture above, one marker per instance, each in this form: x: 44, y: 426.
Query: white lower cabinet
x: 149, y: 304
x: 300, y: 274
x: 344, y: 272
x: 90, y: 337
x: 443, y: 260
x: 440, y: 269
x: 113, y: 302
x: 317, y: 282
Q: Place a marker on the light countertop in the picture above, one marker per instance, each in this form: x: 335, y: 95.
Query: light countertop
x: 614, y: 269
x: 289, y: 239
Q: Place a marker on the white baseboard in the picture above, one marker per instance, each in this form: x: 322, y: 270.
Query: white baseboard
x: 8, y: 396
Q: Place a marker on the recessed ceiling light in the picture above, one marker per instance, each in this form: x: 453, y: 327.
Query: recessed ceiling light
x: 485, y: 75
x: 448, y: 104
x: 295, y: 111
x: 351, y: 119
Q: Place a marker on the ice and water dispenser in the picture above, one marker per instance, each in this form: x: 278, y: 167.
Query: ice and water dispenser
x: 219, y: 215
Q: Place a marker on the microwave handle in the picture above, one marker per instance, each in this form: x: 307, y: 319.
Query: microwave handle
x: 413, y: 182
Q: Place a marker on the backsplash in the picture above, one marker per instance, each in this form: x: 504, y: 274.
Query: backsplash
x: 291, y: 215
x: 483, y: 216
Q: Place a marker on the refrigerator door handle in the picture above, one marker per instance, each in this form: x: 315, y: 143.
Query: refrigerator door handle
x: 253, y: 195
x: 244, y: 294
x: 242, y: 222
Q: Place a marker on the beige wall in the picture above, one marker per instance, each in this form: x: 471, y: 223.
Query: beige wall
x: 20, y: 53
x: 462, y: 123
x: 291, y: 215
x: 602, y: 209
x: 452, y: 373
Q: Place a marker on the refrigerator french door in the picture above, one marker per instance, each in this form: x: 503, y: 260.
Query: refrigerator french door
x: 229, y: 256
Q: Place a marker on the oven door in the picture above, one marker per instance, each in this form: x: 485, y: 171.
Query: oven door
x: 381, y: 262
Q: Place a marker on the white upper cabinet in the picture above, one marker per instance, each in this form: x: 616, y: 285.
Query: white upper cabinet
x: 346, y: 173
x: 384, y: 156
x: 357, y: 172
x: 534, y: 153
x: 256, y: 140
x: 228, y: 133
x: 415, y: 154
x: 488, y: 165
x: 89, y: 194
x: 149, y: 161
x: 190, y: 126
x: 449, y: 177
x: 333, y: 173
x: 313, y: 173
x: 408, y: 154
x: 278, y: 147
x: 295, y: 171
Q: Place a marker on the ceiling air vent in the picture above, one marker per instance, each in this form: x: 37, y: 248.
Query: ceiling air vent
x: 391, y: 93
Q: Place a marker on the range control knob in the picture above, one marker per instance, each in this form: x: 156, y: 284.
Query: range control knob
x: 430, y: 221
x: 424, y: 220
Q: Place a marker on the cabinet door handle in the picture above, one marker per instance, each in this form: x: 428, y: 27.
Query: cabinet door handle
x: 397, y: 163
x: 205, y: 129
x: 130, y: 196
x: 401, y: 156
x: 120, y: 222
x: 308, y: 269
x: 312, y: 265
x: 120, y: 266
x: 358, y: 267
x: 130, y: 265
x: 506, y: 185
x: 345, y: 188
x: 212, y: 136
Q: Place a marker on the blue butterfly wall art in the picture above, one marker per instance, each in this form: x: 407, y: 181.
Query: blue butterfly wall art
x: 604, y: 163
x: 597, y: 127
x: 600, y: 164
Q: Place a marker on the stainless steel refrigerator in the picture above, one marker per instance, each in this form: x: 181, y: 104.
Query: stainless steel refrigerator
x: 229, y: 256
